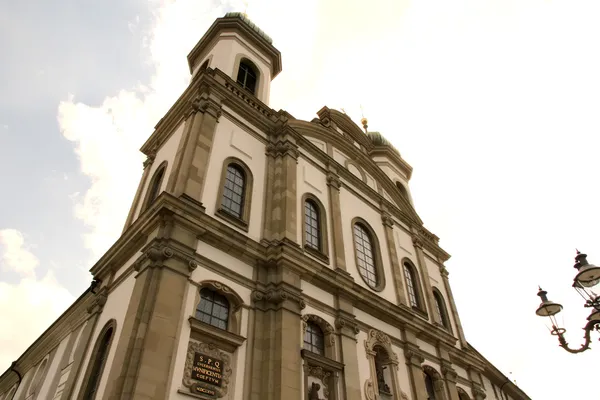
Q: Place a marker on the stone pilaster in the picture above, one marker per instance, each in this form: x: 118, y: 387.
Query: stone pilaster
x: 388, y: 224
x: 339, y: 258
x: 461, y: 334
x: 414, y: 361
x: 284, y: 153
x: 347, y: 330
x: 478, y: 392
x: 450, y: 376
x: 142, y: 363
x: 138, y: 194
x: 188, y: 174
x: 430, y: 300
x: 277, y: 363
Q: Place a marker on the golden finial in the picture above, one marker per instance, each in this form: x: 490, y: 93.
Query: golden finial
x: 363, y: 120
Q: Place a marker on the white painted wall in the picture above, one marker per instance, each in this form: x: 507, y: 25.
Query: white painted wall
x: 319, y: 143
x: 427, y: 347
x: 227, y: 260
x: 352, y: 207
x: 377, y: 324
x: 53, y: 369
x: 232, y: 141
x: 311, y: 180
x: 316, y: 293
x: 222, y: 53
x: 115, y: 308
x: 165, y: 153
x: 340, y: 157
x: 364, y: 369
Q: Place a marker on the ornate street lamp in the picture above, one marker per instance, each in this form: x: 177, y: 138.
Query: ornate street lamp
x: 588, y: 276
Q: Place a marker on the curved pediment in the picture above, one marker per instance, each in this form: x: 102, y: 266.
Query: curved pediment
x: 359, y: 158
x: 334, y: 118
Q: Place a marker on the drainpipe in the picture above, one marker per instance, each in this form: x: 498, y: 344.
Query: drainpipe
x: 12, y: 368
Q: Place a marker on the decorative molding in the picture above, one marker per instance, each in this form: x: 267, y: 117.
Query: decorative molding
x: 98, y: 302
x: 277, y: 296
x: 378, y: 338
x: 322, y: 375
x: 334, y: 181
x: 207, y: 105
x: 414, y: 357
x: 149, y: 160
x: 370, y: 390
x: 227, y: 340
x: 387, y: 220
x: 211, y: 350
x: 341, y: 323
x: 283, y: 148
x: 478, y: 391
x: 449, y: 373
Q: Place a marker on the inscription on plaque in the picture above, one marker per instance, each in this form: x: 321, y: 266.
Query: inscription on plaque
x: 207, y: 369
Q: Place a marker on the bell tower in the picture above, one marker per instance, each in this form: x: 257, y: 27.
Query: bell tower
x: 239, y: 48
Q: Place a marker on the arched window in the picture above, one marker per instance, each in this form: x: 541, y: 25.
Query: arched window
x: 411, y: 285
x: 98, y: 361
x: 365, y: 255
x: 247, y: 76
x: 440, y: 307
x: 213, y: 309
x: 314, y: 340
x: 402, y: 190
x: 462, y: 395
x: 155, y: 185
x: 38, y: 377
x: 233, y: 191
x: 429, y: 386
x: 311, y: 225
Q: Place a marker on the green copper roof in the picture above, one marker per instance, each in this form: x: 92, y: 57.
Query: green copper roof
x: 251, y: 24
x: 378, y: 140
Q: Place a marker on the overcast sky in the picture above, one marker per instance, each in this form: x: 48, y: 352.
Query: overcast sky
x: 494, y: 103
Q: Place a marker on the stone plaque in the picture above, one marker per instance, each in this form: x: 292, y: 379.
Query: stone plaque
x: 207, y: 369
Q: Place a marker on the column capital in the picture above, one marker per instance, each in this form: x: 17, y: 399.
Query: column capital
x: 449, y: 373
x: 387, y: 219
x: 413, y: 356
x: 478, y: 392
x: 283, y: 148
x: 347, y: 326
x: 334, y: 181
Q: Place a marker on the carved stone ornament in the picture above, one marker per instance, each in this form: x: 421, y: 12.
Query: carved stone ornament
x: 276, y: 296
x: 234, y: 299
x: 417, y: 242
x: 387, y: 220
x: 378, y: 338
x: 414, y: 357
x: 149, y: 160
x: 370, y: 390
x: 280, y: 149
x: 403, y: 396
x: 438, y: 382
x: 341, y: 323
x: 322, y: 375
x: 478, y: 391
x: 334, y: 180
x: 98, y: 302
x: 449, y: 373
x: 209, y: 350
x: 207, y: 105
x: 324, y: 325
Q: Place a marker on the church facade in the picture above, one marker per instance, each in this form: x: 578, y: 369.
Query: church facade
x: 263, y: 258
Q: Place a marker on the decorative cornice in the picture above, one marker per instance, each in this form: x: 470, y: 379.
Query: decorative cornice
x: 98, y: 302
x: 378, y: 338
x: 413, y: 357
x: 449, y: 373
x: 346, y: 324
x: 207, y: 104
x: 334, y: 181
x: 324, y: 325
x: 149, y: 160
x: 276, y: 297
x: 387, y: 220
x: 283, y: 148
x: 478, y: 391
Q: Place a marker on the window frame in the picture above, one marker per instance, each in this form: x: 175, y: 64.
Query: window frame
x: 243, y: 59
x: 376, y: 250
x: 213, y: 301
x: 243, y: 221
x: 159, y: 174
x: 418, y: 288
x: 323, y: 252
x: 86, y: 388
x: 441, y: 309
x: 314, y: 330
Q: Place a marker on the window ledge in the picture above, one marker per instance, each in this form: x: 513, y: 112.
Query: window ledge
x: 225, y: 340
x: 232, y: 219
x: 316, y: 359
x: 316, y: 253
x: 421, y: 313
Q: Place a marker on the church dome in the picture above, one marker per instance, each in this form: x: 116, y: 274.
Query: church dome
x: 251, y: 24
x: 379, y: 140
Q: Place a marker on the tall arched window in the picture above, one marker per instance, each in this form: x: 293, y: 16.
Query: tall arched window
x: 411, y: 285
x: 98, y: 361
x: 429, y: 386
x: 365, y: 255
x: 247, y: 76
x: 155, y: 185
x: 462, y: 395
x: 38, y: 377
x: 311, y: 225
x: 213, y: 309
x: 314, y: 340
x: 233, y: 191
x: 440, y: 307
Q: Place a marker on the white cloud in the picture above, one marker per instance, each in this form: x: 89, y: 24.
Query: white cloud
x: 15, y: 256
x: 30, y: 305
x: 493, y: 103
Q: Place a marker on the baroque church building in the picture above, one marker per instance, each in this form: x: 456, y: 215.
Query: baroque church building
x: 263, y: 258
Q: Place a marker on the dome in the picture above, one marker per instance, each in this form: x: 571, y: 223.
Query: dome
x: 378, y: 140
x: 251, y: 24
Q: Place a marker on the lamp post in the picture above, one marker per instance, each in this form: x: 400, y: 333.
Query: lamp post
x: 588, y: 276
